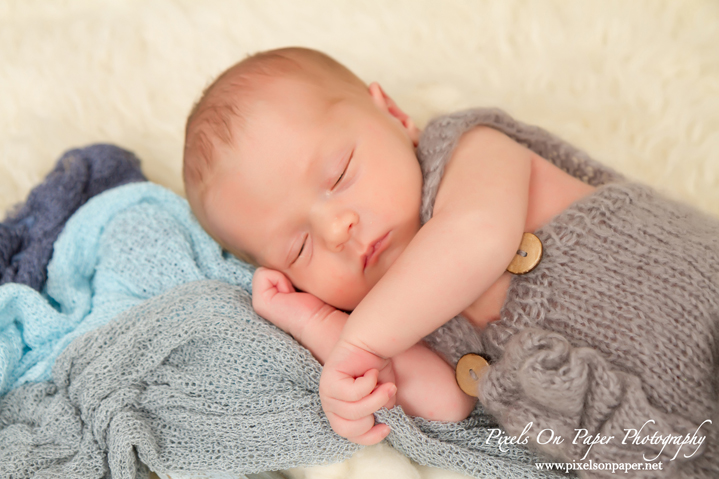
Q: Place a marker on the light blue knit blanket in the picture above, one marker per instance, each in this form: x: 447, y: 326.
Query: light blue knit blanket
x: 164, y: 366
x: 121, y: 248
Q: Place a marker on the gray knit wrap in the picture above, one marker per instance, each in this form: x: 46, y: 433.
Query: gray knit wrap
x: 618, y: 324
x: 193, y: 380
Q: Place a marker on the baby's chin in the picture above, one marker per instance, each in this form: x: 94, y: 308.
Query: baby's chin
x: 348, y: 304
x: 346, y: 307
x: 345, y: 293
x: 345, y: 304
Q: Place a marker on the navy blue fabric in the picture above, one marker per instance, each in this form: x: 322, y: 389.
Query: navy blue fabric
x: 28, y: 233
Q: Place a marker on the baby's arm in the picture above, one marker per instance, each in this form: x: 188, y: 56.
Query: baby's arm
x: 479, y: 217
x: 426, y: 386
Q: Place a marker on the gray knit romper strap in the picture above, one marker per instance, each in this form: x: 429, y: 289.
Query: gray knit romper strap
x: 615, y: 329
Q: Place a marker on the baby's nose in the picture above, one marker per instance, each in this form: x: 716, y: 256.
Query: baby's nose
x: 338, y: 229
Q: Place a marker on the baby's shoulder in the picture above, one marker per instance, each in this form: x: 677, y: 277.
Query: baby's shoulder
x: 485, y: 170
x: 490, y: 170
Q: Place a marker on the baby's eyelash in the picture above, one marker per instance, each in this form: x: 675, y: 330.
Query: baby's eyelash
x: 344, y: 171
x: 301, y: 248
x: 340, y: 178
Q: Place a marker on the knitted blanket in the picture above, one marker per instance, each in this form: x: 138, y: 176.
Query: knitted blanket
x: 27, y: 235
x: 129, y: 244
x: 187, y: 376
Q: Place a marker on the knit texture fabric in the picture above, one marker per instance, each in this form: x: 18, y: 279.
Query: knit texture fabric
x: 187, y: 376
x: 618, y: 324
x: 122, y: 247
x: 27, y: 234
x: 192, y: 380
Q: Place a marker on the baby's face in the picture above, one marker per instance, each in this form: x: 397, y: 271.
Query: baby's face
x: 327, y: 192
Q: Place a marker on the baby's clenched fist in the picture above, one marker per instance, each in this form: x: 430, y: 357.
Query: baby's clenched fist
x: 275, y: 299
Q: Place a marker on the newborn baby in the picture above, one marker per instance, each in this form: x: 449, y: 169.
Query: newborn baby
x: 296, y: 165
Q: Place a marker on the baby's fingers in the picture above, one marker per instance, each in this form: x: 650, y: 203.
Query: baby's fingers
x: 362, y: 431
x: 365, y: 407
x: 269, y: 280
x: 343, y: 387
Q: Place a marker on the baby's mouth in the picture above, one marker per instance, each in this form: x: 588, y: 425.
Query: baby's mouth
x: 370, y: 257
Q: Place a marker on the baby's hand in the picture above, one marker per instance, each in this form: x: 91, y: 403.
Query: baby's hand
x: 349, y: 387
x: 351, y: 393
x: 275, y: 299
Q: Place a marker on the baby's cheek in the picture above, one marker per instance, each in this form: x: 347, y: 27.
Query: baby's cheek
x: 343, y: 293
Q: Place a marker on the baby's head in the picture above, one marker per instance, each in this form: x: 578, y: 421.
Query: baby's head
x: 293, y: 163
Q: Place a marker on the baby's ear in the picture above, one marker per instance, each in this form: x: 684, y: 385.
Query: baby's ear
x: 382, y: 100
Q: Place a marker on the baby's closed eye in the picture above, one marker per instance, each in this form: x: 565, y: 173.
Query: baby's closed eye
x: 347, y: 165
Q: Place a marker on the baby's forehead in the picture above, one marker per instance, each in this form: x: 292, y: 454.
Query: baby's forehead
x: 288, y: 123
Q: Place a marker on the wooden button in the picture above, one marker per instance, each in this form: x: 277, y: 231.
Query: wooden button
x: 528, y: 255
x: 470, y: 369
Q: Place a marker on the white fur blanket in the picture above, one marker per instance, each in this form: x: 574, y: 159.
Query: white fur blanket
x: 636, y: 84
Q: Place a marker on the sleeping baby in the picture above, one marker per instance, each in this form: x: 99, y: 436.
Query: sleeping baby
x: 372, y: 236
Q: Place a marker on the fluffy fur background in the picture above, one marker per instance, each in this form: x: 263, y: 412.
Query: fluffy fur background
x: 635, y: 83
